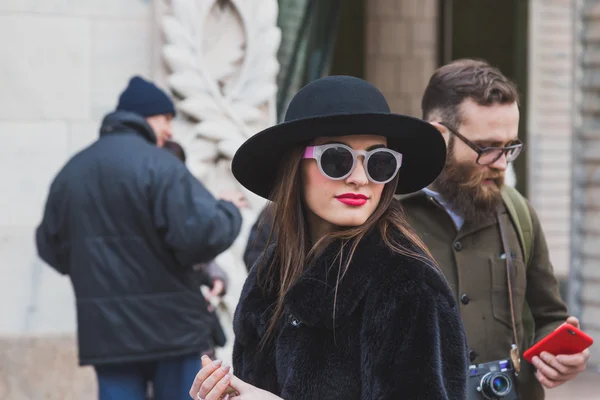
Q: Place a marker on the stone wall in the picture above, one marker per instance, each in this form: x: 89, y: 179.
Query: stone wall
x: 63, y: 64
x: 43, y: 367
x: 401, y: 50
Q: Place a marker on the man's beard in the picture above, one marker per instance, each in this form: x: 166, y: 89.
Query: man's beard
x: 462, y: 188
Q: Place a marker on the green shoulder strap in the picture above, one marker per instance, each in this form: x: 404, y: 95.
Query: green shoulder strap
x: 519, y: 213
x: 521, y: 217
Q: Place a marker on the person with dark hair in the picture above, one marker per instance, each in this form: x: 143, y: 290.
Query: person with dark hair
x: 347, y: 303
x: 485, y: 236
x: 175, y: 149
x: 126, y: 222
x: 258, y: 238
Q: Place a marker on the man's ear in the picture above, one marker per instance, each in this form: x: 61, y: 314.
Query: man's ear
x: 443, y: 130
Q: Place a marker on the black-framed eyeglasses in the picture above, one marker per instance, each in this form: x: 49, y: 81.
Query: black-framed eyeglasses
x: 489, y: 155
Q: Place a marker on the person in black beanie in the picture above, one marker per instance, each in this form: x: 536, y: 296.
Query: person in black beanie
x: 144, y: 98
x: 127, y: 221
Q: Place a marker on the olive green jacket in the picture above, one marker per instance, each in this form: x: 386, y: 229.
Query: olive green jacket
x: 473, y: 264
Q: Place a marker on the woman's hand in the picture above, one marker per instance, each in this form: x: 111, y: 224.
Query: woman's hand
x: 215, y: 381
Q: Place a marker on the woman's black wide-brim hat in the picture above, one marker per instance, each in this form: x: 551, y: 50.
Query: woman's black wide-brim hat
x: 341, y: 106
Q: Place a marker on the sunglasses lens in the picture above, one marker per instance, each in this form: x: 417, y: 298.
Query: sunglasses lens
x: 382, y: 166
x: 336, y: 162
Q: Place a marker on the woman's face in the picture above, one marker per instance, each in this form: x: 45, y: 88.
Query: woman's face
x: 340, y: 203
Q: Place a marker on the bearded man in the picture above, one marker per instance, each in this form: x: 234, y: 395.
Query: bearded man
x: 463, y: 220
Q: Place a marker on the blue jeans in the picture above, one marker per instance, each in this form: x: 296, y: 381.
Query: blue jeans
x: 170, y: 379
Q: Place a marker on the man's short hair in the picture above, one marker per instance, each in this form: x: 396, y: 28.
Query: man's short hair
x: 462, y: 79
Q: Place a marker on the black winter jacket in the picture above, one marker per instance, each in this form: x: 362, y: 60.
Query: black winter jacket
x: 397, y: 332
x: 258, y: 238
x: 127, y: 221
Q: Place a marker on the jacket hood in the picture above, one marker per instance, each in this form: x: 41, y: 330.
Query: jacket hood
x: 127, y: 122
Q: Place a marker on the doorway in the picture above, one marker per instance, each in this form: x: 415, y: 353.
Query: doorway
x: 495, y: 31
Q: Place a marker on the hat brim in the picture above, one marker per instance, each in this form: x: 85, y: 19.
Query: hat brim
x: 257, y: 161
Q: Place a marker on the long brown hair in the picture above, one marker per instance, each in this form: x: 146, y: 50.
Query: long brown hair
x: 293, y: 251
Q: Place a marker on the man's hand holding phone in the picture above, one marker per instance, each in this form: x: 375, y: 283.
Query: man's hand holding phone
x: 555, y: 369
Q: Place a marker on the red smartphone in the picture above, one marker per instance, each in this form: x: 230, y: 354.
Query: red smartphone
x: 566, y: 339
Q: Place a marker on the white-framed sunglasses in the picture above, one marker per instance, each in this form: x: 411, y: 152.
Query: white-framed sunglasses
x: 338, y: 161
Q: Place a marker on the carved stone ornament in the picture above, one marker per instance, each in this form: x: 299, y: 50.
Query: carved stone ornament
x: 221, y: 57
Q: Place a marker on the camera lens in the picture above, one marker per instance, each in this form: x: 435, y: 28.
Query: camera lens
x: 495, y: 385
x: 499, y: 384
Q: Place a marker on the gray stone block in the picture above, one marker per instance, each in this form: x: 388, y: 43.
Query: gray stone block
x: 132, y: 9
x: 31, y: 153
x: 45, y: 67
x: 43, y: 368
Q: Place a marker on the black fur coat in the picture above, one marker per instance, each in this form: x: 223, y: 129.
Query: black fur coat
x: 397, y: 332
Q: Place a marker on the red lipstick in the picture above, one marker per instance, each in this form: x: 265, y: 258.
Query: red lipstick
x: 353, y: 199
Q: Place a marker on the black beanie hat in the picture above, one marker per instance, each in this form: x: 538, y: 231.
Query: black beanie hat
x: 144, y: 98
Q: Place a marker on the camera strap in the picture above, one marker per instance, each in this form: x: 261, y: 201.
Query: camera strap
x: 514, y: 351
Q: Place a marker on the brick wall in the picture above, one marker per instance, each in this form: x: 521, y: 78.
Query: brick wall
x: 402, y: 55
x: 401, y: 50
x: 584, y: 285
x: 549, y: 123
